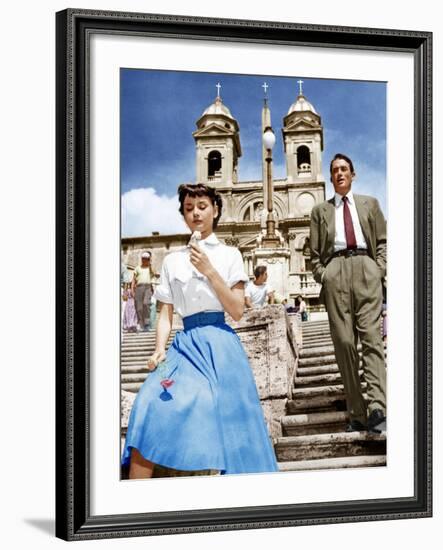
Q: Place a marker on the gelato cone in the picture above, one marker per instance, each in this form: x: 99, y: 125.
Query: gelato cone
x: 195, y: 237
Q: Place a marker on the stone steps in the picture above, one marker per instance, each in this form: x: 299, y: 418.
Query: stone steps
x: 132, y: 387
x: 314, y: 428
x: 128, y: 369
x: 315, y: 339
x: 138, y: 346
x: 315, y: 344
x: 316, y: 422
x: 135, y: 364
x: 314, y: 380
x: 131, y: 355
x: 136, y: 349
x: 316, y: 360
x: 317, y: 391
x: 323, y: 333
x: 136, y: 361
x: 316, y: 331
x: 317, y: 336
x: 319, y: 403
x: 317, y: 369
x: 133, y: 351
x: 314, y: 326
x: 130, y: 337
x: 319, y: 361
x: 329, y: 445
x: 133, y: 377
x: 363, y: 461
x: 320, y: 351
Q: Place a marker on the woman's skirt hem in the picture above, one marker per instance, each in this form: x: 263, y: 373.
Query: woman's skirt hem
x: 165, y: 464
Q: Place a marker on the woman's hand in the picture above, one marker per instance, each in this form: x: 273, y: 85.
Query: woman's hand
x: 156, y: 358
x: 200, y: 261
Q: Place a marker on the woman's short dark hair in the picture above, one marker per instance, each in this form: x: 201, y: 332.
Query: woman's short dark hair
x: 259, y: 270
x: 200, y: 190
x: 342, y: 157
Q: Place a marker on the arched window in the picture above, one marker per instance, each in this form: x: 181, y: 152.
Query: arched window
x: 303, y: 159
x: 214, y: 163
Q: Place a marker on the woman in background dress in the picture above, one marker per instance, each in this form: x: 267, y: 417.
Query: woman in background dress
x: 129, y: 313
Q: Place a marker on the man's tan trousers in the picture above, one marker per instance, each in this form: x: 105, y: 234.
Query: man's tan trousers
x: 353, y: 297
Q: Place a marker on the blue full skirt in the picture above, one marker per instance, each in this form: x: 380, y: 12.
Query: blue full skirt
x: 211, y: 416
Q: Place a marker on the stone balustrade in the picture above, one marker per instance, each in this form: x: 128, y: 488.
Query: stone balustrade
x: 269, y: 336
x: 303, y: 283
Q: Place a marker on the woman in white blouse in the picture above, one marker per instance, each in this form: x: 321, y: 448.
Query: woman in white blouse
x: 199, y: 408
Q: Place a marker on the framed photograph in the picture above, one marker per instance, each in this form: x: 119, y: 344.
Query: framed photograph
x: 247, y: 117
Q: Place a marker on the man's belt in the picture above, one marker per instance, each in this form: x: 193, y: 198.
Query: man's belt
x: 347, y: 252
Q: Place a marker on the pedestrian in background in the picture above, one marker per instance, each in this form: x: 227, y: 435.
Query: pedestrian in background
x: 142, y: 290
x: 258, y: 292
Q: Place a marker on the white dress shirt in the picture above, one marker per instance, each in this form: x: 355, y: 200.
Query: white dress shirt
x: 340, y: 236
x: 182, y: 285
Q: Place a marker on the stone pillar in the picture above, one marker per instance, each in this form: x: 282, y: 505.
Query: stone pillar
x: 277, y: 262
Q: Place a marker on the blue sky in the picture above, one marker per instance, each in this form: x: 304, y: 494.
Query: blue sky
x: 159, y: 110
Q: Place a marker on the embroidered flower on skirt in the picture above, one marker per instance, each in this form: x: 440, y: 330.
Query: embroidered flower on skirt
x: 165, y: 382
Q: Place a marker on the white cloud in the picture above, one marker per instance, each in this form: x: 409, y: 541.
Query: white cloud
x: 143, y: 211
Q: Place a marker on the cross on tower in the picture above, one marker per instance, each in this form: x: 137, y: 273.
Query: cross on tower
x: 300, y: 82
x: 218, y: 86
x: 265, y: 87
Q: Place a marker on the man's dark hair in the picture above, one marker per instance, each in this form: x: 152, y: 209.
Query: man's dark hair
x: 200, y: 190
x: 259, y: 270
x: 342, y: 157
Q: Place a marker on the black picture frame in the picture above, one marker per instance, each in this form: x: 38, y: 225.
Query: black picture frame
x: 74, y: 27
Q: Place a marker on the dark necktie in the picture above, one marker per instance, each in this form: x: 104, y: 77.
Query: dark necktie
x: 351, y: 241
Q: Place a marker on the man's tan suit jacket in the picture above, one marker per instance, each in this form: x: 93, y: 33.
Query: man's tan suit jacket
x: 322, y: 239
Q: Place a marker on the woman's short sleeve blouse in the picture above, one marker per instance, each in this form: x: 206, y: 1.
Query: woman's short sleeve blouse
x: 187, y: 289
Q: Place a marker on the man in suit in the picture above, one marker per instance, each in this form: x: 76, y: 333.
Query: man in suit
x: 348, y: 255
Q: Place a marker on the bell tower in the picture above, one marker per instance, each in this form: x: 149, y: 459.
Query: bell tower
x: 217, y: 142
x: 303, y: 141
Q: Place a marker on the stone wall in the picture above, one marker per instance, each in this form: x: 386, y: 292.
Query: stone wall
x: 269, y: 336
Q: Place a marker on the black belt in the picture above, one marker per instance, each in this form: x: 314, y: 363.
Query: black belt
x: 347, y: 252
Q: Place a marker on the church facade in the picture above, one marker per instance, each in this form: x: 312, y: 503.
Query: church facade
x: 243, y: 221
